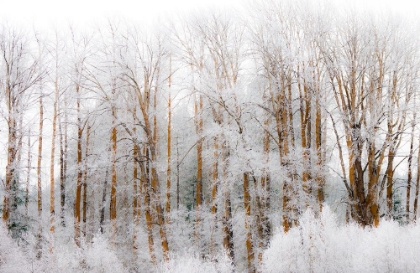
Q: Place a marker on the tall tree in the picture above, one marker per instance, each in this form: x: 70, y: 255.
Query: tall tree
x: 20, y: 71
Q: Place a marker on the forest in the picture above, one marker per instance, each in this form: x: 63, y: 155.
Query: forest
x: 282, y: 138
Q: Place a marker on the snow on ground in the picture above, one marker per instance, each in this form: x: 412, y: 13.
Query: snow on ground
x: 319, y: 244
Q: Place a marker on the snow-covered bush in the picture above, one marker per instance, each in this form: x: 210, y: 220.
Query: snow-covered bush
x: 192, y: 263
x: 11, y: 257
x: 320, y: 245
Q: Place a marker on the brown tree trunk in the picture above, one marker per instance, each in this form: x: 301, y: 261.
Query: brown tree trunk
x: 227, y: 214
x: 10, y: 168
x: 136, y: 195
x: 390, y: 181
x: 215, y: 175
x: 247, y: 206
x: 282, y: 118
x: 177, y: 174
x: 85, y: 179
x: 168, y: 170
x: 198, y: 107
x: 113, y: 201
x: 79, y: 171
x: 41, y: 125
x: 416, y: 195
x: 148, y: 207
x: 305, y: 132
x: 264, y: 226
x: 319, y: 179
x: 28, y: 177
x: 103, y: 204
x: 63, y: 163
x: 52, y: 162
x: 409, y: 172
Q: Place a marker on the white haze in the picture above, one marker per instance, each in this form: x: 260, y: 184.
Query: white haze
x: 47, y: 13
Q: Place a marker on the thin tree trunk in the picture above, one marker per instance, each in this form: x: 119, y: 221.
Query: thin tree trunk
x: 168, y: 170
x: 320, y: 181
x: 41, y: 125
x: 19, y: 158
x: 416, y: 196
x: 136, y: 203
x: 113, y: 201
x: 390, y: 181
x: 305, y: 131
x: 149, y: 223
x: 11, y: 145
x: 409, y: 172
x: 155, y: 183
x: 177, y: 174
x: 282, y: 119
x: 79, y: 171
x: 148, y: 207
x: 28, y: 177
x: 103, y: 204
x: 247, y: 206
x: 159, y: 211
x: 227, y: 214
x: 264, y: 226
x: 198, y: 107
x: 63, y: 163
x: 52, y: 162
x: 214, y: 194
x: 85, y: 179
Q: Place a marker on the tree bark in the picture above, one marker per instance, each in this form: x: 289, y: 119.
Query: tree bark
x: 41, y: 125
x: 84, y: 183
x: 247, y: 206
x: 79, y: 182
x: 52, y: 162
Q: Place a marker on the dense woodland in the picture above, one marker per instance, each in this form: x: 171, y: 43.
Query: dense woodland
x: 207, y: 133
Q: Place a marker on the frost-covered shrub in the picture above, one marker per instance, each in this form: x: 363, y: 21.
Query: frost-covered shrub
x: 320, y: 245
x: 100, y: 258
x: 192, y: 264
x: 11, y: 257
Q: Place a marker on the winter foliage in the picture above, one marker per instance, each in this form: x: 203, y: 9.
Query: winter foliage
x: 283, y: 138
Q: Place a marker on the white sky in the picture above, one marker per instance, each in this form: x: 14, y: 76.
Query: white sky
x: 51, y: 12
x: 48, y: 12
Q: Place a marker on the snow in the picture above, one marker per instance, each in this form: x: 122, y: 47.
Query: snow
x: 319, y: 244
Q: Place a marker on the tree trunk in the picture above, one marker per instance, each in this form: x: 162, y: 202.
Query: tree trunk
x: 103, y: 204
x: 79, y: 171
x: 227, y: 214
x: 214, y: 194
x: 390, y: 181
x: 148, y: 207
x: 63, y: 163
x: 113, y: 201
x: 85, y: 179
x: 416, y: 195
x: 136, y: 203
x: 52, y: 162
x: 177, y: 174
x: 247, y: 206
x: 409, y: 172
x: 168, y: 170
x: 198, y: 107
x: 28, y: 177
x: 319, y: 141
x: 41, y: 125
